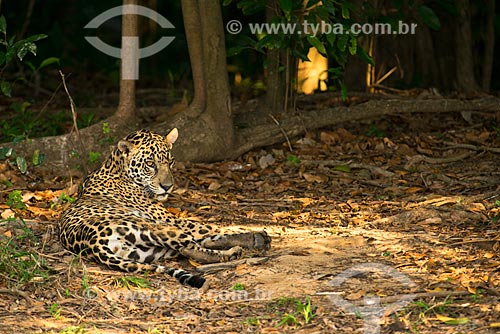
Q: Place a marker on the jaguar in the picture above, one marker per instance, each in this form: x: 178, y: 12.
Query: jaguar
x: 119, y: 218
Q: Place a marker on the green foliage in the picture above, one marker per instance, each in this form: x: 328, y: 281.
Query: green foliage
x: 130, y: 281
x: 6, y: 152
x: 105, y: 128
x: 429, y: 17
x: 73, y: 330
x: 15, y: 200
x: 295, y: 312
x: 288, y: 319
x: 293, y: 160
x: 38, y: 158
x: 65, y: 198
x: 19, y: 266
x: 94, y: 157
x: 238, y: 287
x: 85, y: 285
x: 23, y: 123
x: 12, y: 48
x: 324, y: 25
x: 374, y: 131
x: 20, y: 161
x: 86, y: 120
x: 342, y: 168
x: 55, y: 311
x: 306, y: 310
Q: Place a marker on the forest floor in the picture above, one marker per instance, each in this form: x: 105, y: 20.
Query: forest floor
x: 390, y: 225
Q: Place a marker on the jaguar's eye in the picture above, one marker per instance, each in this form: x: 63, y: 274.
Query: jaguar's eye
x: 150, y: 163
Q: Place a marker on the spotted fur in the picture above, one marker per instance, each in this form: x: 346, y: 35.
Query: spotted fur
x: 119, y: 220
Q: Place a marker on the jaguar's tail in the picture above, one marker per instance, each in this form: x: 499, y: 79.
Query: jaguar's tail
x: 180, y: 275
x: 186, y: 278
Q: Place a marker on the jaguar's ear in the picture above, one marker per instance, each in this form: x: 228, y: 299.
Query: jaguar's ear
x: 172, y: 136
x: 124, y: 146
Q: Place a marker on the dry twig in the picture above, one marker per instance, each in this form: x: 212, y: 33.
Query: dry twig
x: 283, y: 132
x: 83, y: 151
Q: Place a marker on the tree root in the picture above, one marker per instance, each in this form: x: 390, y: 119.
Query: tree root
x: 261, y: 132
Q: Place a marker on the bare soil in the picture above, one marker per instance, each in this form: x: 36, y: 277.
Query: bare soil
x: 362, y: 215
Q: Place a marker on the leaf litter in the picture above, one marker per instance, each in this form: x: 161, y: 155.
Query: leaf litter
x: 416, y: 196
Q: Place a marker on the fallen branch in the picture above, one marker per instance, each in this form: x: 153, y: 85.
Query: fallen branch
x: 353, y: 165
x: 257, y: 134
x: 468, y: 147
x: 17, y: 293
x: 474, y: 241
x: 422, y: 158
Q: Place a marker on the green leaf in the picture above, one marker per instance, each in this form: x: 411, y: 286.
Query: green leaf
x: 49, y: 61
x: 5, y: 152
x: 11, y: 40
x: 300, y: 54
x: 20, y: 107
x: 330, y: 38
x: 34, y: 38
x: 343, y: 91
x: 5, y: 88
x: 429, y: 17
x: 364, y: 56
x: 342, y: 42
x: 286, y: 6
x: 226, y: 2
x: 235, y: 50
x: 22, y: 164
x: 336, y: 72
x: 317, y: 44
x: 38, y: 158
x: 345, y: 12
x: 3, y: 25
x: 452, y: 321
x: 457, y: 321
x: 25, y: 48
x: 293, y: 159
x: 342, y: 168
x: 268, y: 41
x: 9, y: 55
x: 353, y: 47
x: 30, y: 65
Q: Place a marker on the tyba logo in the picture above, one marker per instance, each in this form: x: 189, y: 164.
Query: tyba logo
x: 129, y: 53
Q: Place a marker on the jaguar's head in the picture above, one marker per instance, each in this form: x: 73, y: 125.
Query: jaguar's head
x: 148, y: 161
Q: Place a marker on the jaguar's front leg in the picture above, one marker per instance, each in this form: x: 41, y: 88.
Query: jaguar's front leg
x: 249, y: 240
x: 204, y: 255
x: 183, y: 242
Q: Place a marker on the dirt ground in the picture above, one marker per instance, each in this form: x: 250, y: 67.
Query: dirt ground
x: 390, y: 226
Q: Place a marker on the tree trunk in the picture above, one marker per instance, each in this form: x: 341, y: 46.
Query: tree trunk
x: 207, y: 134
x: 489, y: 45
x: 277, y: 67
x: 129, y: 57
x: 466, y: 81
x: 192, y: 24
